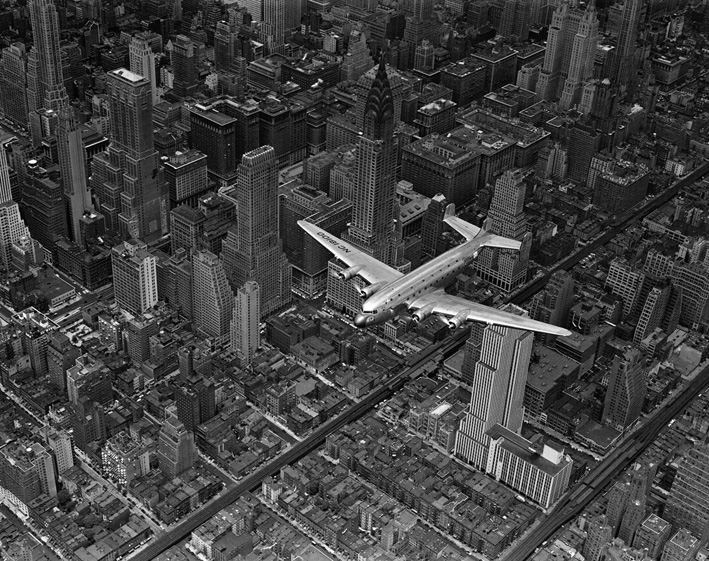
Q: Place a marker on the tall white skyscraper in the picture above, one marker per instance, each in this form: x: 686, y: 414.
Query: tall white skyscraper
x: 245, y: 337
x: 212, y: 297
x: 60, y: 443
x: 255, y: 9
x: 252, y: 249
x: 12, y: 227
x: 142, y: 62
x: 135, y: 282
x: 495, y: 367
x: 507, y: 269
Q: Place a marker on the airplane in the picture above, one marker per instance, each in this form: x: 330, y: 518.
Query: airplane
x: 421, y: 291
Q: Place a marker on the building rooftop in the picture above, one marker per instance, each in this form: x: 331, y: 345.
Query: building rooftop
x: 684, y: 540
x: 549, y: 368
x: 436, y: 106
x: 539, y: 457
x: 127, y: 75
x: 655, y: 524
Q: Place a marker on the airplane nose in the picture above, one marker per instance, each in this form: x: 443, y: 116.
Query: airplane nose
x: 360, y: 320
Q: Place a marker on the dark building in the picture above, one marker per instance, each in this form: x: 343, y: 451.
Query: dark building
x: 89, y: 423
x: 621, y: 187
x: 186, y: 177
x: 175, y: 281
x: 432, y: 241
x: 283, y: 125
x: 584, y: 142
x: 500, y: 65
x: 204, y: 227
x: 626, y: 390
x: 42, y: 205
x: 304, y: 253
x: 195, y: 399
x: 214, y: 134
x: 320, y: 70
x: 184, y: 65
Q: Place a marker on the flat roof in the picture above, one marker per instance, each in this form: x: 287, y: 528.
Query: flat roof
x: 127, y: 75
x: 551, y: 366
x: 524, y: 449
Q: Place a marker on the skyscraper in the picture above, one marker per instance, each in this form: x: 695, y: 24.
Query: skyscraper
x: 623, y: 68
x: 212, y: 297
x: 45, y: 30
x: 652, y: 535
x: 626, y: 390
x: 599, y: 534
x: 225, y: 45
x: 252, y: 249
x: 571, y: 46
x: 142, y: 63
x: 13, y: 83
x: 432, y: 242
x: 497, y: 361
x: 506, y: 269
x: 245, y: 335
x: 682, y: 547
x: 59, y: 442
x: 177, y: 451
x: 632, y: 519
x: 12, y: 228
x: 88, y: 422
x: 374, y: 205
x: 127, y: 178
x: 184, y: 65
x: 135, y: 282
x: 552, y: 305
x: 689, y: 495
x: 515, y: 20
x: 583, y: 51
x: 72, y: 161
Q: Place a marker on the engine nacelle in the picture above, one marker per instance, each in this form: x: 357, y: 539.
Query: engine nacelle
x: 457, y: 320
x: 371, y: 289
x: 422, y: 313
x: 347, y: 274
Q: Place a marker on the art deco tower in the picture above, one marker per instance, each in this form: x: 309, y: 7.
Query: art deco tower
x: 252, y: 249
x: 127, y: 178
x: 72, y: 161
x: 583, y: 52
x: 495, y: 366
x: 12, y: 227
x: 374, y: 207
x: 142, y: 62
x: 213, y: 299
x: 45, y: 30
x: 623, y: 66
x: 507, y: 269
x: 571, y: 45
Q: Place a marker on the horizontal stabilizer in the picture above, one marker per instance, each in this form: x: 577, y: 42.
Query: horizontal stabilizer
x: 503, y: 243
x: 459, y: 225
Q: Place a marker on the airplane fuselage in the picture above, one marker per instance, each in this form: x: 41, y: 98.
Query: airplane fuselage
x: 440, y: 272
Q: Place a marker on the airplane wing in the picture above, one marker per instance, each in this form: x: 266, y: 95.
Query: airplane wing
x: 461, y: 310
x: 370, y: 269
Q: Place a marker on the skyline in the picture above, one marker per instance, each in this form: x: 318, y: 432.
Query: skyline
x: 354, y: 280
